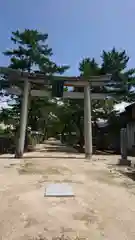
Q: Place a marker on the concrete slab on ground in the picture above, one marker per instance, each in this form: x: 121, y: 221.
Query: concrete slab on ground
x: 59, y: 190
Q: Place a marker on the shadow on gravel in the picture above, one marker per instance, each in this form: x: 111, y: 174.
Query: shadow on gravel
x: 130, y: 174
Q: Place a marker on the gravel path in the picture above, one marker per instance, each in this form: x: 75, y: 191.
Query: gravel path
x: 103, y: 206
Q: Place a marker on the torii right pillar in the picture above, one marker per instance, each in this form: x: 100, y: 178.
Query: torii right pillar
x: 123, y: 145
x: 87, y: 122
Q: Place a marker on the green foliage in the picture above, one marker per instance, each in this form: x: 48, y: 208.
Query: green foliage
x: 31, y: 51
x: 123, y: 80
x: 88, y: 67
x: 114, y: 61
x: 30, y: 48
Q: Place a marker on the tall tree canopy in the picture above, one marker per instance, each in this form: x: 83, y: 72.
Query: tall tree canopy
x: 31, y: 53
x: 123, y: 79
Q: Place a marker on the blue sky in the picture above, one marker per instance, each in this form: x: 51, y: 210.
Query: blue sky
x: 76, y: 28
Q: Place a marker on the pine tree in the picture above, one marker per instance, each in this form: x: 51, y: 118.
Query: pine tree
x: 31, y: 54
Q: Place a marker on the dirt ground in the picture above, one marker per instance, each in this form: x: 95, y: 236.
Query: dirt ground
x: 103, y: 206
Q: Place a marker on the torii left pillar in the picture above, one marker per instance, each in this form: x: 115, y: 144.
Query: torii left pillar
x: 23, y: 120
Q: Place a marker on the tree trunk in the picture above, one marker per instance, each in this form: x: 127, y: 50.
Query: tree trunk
x: 81, y: 138
x: 45, y: 131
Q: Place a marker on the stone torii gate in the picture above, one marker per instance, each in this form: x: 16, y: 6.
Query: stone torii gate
x: 14, y: 76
